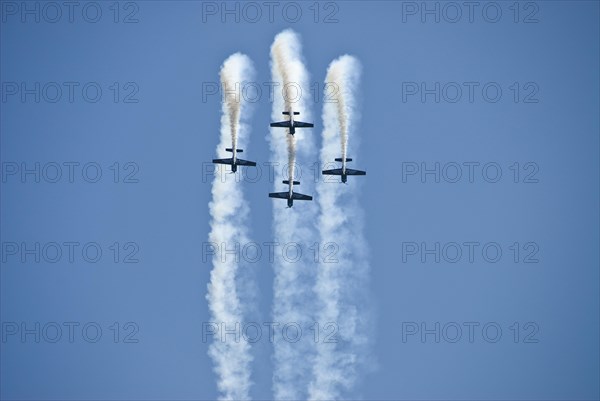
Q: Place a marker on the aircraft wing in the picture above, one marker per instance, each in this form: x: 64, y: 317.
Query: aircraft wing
x: 350, y: 171
x: 242, y: 162
x: 300, y: 124
x: 283, y: 124
x: 223, y: 161
x: 297, y: 196
x: 335, y: 171
x: 279, y: 195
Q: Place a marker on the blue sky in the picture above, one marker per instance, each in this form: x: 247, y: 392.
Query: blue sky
x: 546, y: 121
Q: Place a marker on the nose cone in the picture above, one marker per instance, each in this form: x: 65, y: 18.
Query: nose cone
x: 290, y: 202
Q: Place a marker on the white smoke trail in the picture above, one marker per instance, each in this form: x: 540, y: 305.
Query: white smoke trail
x: 293, y: 280
x: 287, y: 65
x: 341, y: 285
x: 230, y: 87
x: 229, y: 227
x: 341, y: 86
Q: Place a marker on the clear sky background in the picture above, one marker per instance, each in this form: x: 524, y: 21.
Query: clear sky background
x: 172, y: 130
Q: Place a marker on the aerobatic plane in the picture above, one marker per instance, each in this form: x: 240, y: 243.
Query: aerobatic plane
x: 291, y: 123
x: 234, y: 161
x: 290, y: 195
x: 344, y: 172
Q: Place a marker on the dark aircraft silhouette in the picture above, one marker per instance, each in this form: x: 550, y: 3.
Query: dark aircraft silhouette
x: 291, y: 123
x: 290, y: 195
x: 234, y: 161
x: 344, y: 172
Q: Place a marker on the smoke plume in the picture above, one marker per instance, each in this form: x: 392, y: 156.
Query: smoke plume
x: 229, y: 213
x: 341, y: 281
x: 292, y: 292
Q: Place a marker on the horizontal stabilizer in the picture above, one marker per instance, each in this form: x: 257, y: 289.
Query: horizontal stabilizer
x: 339, y: 159
x: 287, y: 113
x: 294, y: 182
x: 231, y: 150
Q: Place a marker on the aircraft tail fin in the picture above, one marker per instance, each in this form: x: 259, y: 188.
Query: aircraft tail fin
x: 287, y: 182
x: 287, y: 113
x: 231, y: 150
x: 339, y: 159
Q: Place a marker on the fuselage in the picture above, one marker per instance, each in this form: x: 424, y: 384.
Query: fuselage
x: 292, y: 127
x: 234, y: 157
x: 290, y: 199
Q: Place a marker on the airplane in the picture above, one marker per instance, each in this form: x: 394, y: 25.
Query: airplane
x: 234, y: 161
x: 291, y: 123
x: 344, y: 172
x: 290, y: 195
